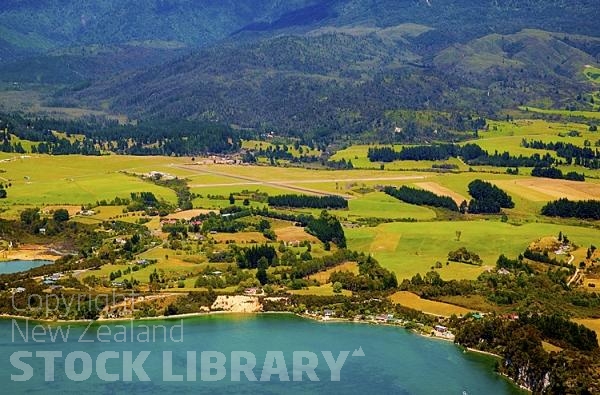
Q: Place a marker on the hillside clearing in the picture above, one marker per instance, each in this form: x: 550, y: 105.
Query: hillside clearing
x: 323, y: 277
x: 293, y: 234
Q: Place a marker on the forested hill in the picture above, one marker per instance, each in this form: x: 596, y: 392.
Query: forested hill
x: 332, y: 83
x: 309, y: 67
x: 37, y: 25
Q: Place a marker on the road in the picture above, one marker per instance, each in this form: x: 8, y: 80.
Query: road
x: 576, y: 274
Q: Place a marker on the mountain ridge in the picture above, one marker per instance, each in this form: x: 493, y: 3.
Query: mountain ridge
x: 319, y: 68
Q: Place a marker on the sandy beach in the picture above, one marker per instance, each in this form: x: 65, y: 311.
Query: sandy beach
x: 29, y: 253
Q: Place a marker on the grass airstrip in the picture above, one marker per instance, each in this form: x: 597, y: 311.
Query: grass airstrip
x: 405, y: 247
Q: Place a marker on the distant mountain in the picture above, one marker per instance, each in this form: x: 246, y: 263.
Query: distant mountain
x: 35, y: 25
x: 61, y: 41
x: 316, y: 68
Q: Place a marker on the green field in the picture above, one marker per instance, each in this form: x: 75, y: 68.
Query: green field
x: 358, y: 155
x: 593, y: 74
x: 410, y: 248
x: 500, y: 136
x: 42, y: 180
x: 380, y: 205
x: 405, y: 247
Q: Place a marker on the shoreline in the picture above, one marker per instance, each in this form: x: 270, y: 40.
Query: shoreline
x: 302, y: 316
x: 30, y: 253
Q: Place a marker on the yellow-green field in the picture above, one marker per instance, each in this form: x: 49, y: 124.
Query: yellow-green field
x: 410, y: 248
x: 42, y: 179
x: 380, y: 205
x: 170, y: 269
x: 322, y: 290
x: 323, y: 277
x: 358, y: 155
x: 413, y: 301
x: 500, y: 136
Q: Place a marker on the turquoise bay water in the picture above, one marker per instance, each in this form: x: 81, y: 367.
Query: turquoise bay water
x: 20, y: 266
x: 396, y: 361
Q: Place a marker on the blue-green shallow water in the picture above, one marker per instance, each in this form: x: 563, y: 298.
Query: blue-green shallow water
x: 20, y: 266
x: 395, y: 361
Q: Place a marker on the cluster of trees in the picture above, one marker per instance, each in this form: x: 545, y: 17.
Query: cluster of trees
x: 553, y: 172
x: 541, y: 257
x: 565, y: 208
x: 524, y: 359
x: 314, y: 265
x: 148, y: 137
x: 470, y: 153
x: 464, y: 256
x: 218, y: 223
x: 487, y: 198
x: 182, y: 190
x: 328, y: 229
x: 580, y: 156
x: 516, y: 289
x: 32, y: 221
x: 563, y: 331
x: 307, y: 201
x: 421, y: 152
x: 66, y: 147
x: 6, y: 146
x: 371, y: 277
x: 421, y: 197
x: 504, y: 262
x: 281, y: 152
x: 249, y: 258
x: 341, y: 164
x: 147, y: 201
x: 231, y: 276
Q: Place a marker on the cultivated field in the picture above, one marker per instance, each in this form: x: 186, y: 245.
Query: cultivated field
x: 293, y: 234
x: 408, y: 299
x: 543, y: 189
x: 442, y: 191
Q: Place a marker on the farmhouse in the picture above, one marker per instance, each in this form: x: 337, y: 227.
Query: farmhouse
x: 87, y: 213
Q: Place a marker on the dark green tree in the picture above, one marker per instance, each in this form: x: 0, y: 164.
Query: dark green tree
x: 61, y: 215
